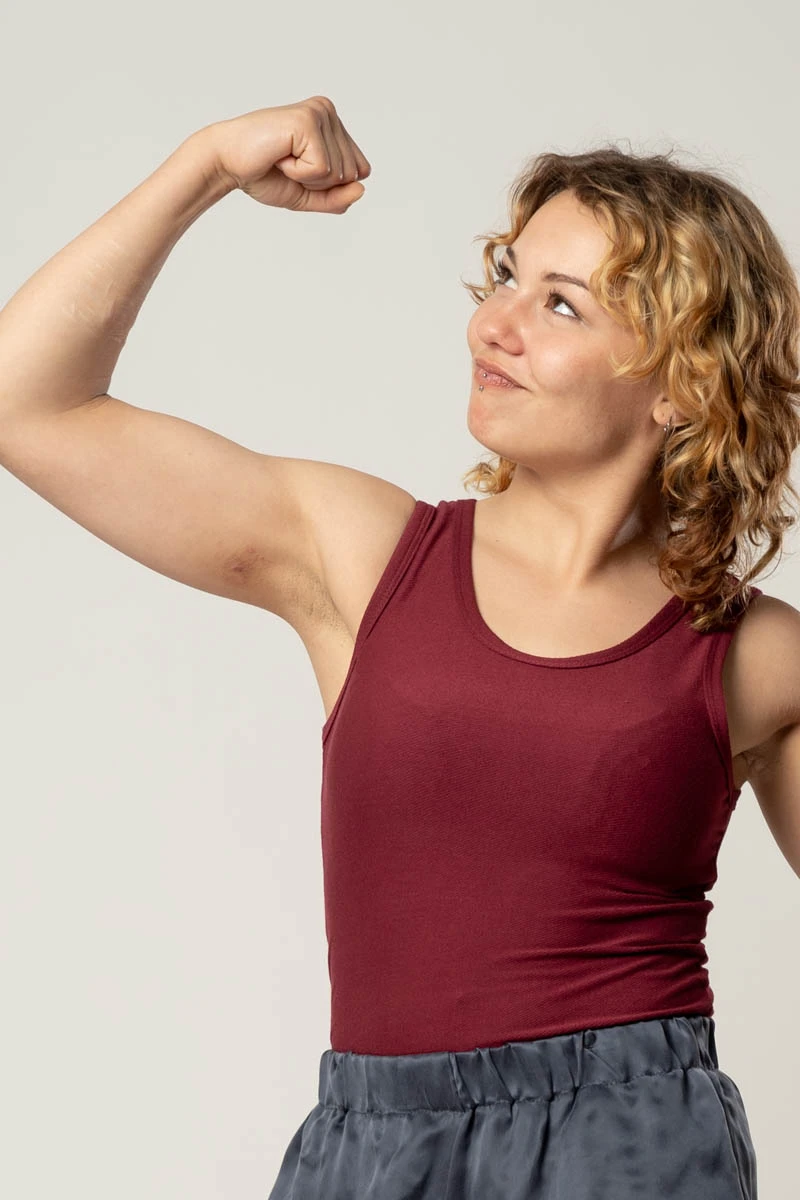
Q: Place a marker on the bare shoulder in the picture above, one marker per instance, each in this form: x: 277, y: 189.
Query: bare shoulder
x: 762, y: 671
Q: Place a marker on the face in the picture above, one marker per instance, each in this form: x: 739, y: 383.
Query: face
x: 556, y: 341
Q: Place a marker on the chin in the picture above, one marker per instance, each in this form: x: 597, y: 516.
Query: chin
x: 487, y: 431
x: 481, y: 422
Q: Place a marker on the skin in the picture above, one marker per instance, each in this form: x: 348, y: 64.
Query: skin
x: 586, y: 444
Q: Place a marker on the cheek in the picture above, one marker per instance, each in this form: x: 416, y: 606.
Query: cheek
x: 560, y: 365
x: 473, y: 330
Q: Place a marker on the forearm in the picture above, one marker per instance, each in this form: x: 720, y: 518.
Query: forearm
x: 62, y: 332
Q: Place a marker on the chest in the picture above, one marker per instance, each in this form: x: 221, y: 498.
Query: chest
x: 538, y: 627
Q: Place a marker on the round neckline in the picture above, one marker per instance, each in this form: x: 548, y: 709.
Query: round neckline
x: 659, y: 623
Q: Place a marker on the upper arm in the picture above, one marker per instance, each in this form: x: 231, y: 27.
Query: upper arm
x: 194, y: 505
x: 768, y: 666
x: 774, y: 775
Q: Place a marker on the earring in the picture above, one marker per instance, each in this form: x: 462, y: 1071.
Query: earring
x: 667, y: 427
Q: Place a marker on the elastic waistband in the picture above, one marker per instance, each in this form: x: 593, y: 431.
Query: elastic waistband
x: 529, y: 1070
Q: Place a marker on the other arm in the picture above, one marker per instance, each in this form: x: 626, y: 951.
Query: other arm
x: 767, y: 676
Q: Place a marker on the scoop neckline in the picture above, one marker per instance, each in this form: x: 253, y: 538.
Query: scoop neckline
x: 658, y: 624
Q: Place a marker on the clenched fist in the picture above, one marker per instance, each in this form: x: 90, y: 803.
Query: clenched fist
x: 296, y: 156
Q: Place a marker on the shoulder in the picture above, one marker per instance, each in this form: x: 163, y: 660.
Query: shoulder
x: 764, y: 665
x: 767, y: 661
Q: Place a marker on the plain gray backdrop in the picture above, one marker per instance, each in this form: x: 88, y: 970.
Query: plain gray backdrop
x: 164, y: 992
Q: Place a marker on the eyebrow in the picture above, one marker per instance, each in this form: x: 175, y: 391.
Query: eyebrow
x: 550, y: 276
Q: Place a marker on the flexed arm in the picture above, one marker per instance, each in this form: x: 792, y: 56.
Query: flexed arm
x: 169, y: 493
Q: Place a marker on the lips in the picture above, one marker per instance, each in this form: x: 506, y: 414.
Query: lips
x: 484, y: 364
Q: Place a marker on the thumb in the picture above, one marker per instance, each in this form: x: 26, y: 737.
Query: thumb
x: 339, y: 197
x: 351, y: 191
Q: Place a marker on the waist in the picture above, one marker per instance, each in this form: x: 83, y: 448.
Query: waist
x: 517, y: 1071
x: 389, y: 1004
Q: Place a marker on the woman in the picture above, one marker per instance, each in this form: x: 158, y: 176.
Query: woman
x: 531, y: 752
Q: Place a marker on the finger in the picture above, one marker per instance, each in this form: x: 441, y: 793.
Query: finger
x: 328, y: 130
x: 347, y: 148
x: 310, y: 155
x: 362, y: 163
x: 342, y: 166
x: 355, y: 162
x: 349, y: 165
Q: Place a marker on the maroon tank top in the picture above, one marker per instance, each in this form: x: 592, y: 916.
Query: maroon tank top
x: 515, y: 846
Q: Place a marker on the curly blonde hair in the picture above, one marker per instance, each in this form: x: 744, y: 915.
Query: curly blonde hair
x: 696, y: 272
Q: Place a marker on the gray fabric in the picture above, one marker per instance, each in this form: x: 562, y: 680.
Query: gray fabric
x: 639, y: 1110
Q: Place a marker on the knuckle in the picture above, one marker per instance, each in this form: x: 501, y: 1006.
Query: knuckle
x: 313, y: 113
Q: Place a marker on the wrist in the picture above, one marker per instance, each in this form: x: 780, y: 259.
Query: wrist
x: 203, y: 147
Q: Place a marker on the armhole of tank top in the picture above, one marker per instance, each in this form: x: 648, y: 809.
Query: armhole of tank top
x: 715, y: 700
x: 715, y: 704
x: 404, y: 551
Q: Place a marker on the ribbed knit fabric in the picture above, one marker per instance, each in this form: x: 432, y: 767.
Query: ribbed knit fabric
x: 515, y: 846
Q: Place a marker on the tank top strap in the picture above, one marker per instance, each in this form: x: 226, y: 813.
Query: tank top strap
x: 406, y: 549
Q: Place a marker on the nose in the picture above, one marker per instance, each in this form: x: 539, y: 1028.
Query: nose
x: 500, y: 325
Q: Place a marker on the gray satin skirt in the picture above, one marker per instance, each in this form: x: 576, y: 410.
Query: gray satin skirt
x: 623, y: 1112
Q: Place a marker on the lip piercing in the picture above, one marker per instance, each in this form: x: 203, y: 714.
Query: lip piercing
x: 480, y: 389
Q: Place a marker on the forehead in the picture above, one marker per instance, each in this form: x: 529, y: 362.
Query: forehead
x: 563, y: 235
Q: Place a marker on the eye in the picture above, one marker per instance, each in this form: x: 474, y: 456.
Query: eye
x: 559, y: 299
x: 502, y: 274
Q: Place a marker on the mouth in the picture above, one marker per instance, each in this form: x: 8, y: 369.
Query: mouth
x: 488, y: 376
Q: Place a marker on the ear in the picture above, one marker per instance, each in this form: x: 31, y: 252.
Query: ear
x: 666, y: 409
